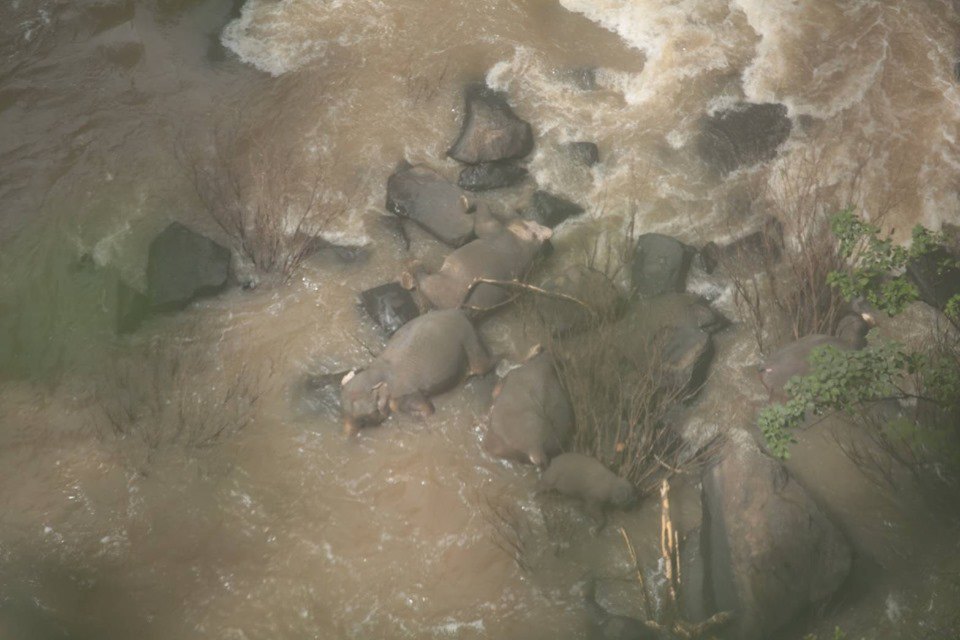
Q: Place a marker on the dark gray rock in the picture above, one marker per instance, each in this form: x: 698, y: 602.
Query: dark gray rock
x: 390, y: 306
x: 660, y: 265
x: 743, y: 135
x: 585, y: 153
x: 937, y: 276
x: 770, y: 552
x: 132, y: 308
x: 183, y: 265
x: 609, y: 626
x: 687, y: 353
x: 550, y: 210
x: 491, y: 130
x: 420, y: 194
x: 765, y: 243
x: 491, y: 175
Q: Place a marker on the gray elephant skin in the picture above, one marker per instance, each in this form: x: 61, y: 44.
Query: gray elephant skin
x: 531, y: 419
x: 503, y: 252
x: 428, y: 355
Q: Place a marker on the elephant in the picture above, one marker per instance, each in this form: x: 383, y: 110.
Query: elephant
x: 502, y: 251
x: 580, y: 476
x: 428, y: 355
x: 531, y: 418
x: 794, y: 359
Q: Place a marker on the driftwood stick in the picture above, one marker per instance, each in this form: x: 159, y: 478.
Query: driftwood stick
x: 648, y: 610
x: 522, y: 286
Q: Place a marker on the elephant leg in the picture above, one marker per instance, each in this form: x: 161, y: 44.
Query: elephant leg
x: 479, y: 360
x: 415, y: 404
x: 597, y: 514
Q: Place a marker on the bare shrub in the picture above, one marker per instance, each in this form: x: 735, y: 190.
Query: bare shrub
x: 171, y: 396
x: 780, y: 275
x: 511, y: 529
x: 254, y: 188
x: 622, y: 397
x: 914, y: 437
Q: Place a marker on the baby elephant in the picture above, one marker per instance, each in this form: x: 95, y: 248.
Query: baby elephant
x: 426, y: 356
x: 531, y: 418
x: 505, y: 252
x: 579, y: 476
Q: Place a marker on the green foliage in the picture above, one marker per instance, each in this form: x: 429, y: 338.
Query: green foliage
x: 877, y: 264
x: 840, y: 380
x: 844, y: 380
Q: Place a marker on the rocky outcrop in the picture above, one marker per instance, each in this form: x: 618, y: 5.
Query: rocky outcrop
x: 420, y: 194
x: 491, y: 130
x: 550, y: 210
x: 660, y: 265
x: 491, y: 175
x: 183, y: 265
x: 770, y: 551
x: 390, y: 306
x: 742, y: 135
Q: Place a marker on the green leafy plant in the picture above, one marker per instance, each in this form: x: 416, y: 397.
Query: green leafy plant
x: 851, y: 380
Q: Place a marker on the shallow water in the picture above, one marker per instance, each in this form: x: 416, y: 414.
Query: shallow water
x: 283, y: 529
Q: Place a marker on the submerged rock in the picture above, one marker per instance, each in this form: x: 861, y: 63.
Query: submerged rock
x: 742, y: 135
x: 585, y: 153
x: 550, y: 210
x: 491, y: 130
x: 770, y: 551
x: 132, y: 308
x: 660, y: 265
x: 491, y: 175
x: 390, y: 306
x: 421, y: 194
x: 183, y: 265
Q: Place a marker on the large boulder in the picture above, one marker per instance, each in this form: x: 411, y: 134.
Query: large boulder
x: 770, y: 551
x: 742, y: 135
x: 491, y: 175
x: 390, y: 306
x: 420, y: 194
x: 660, y: 265
x: 491, y: 130
x: 936, y: 275
x: 183, y: 265
x: 132, y: 308
x: 550, y: 210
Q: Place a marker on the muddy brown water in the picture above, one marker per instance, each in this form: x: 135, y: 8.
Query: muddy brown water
x: 283, y: 528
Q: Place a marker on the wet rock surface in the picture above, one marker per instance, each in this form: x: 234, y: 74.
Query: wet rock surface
x: 420, y: 194
x: 390, y: 306
x: 660, y: 265
x: 491, y: 175
x: 770, y: 551
x: 743, y: 135
x: 491, y: 130
x: 550, y: 210
x: 183, y: 265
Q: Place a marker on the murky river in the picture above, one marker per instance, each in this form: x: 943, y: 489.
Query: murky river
x: 257, y: 519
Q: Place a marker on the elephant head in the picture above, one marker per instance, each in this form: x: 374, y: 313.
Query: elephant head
x: 365, y: 399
